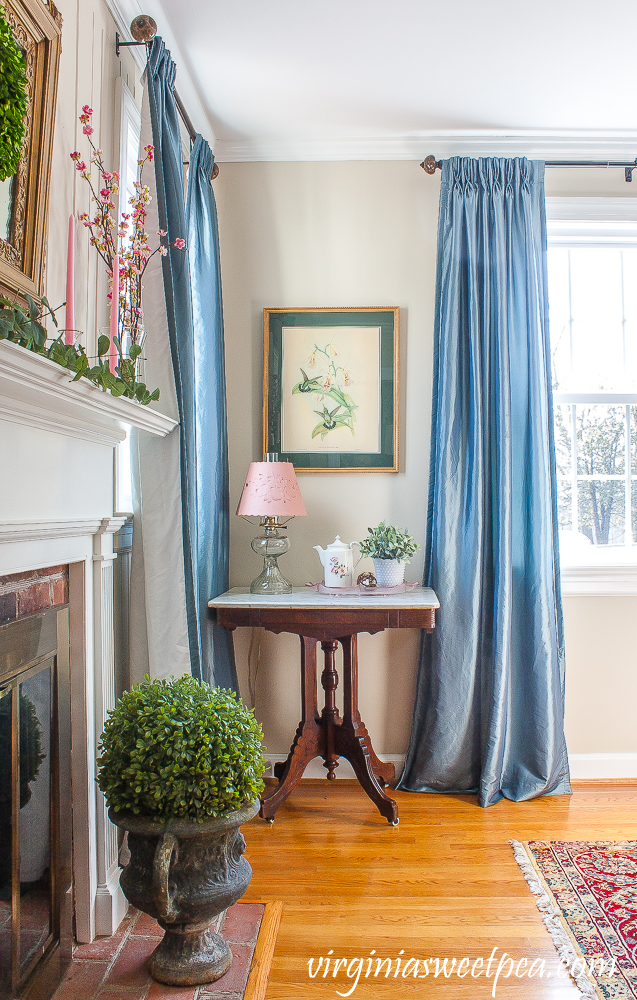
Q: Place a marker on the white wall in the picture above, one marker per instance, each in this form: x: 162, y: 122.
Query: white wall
x: 330, y: 234
x: 364, y: 233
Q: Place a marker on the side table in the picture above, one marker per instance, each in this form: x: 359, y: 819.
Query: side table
x: 330, y: 620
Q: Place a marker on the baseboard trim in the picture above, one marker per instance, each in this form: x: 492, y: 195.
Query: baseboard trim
x: 584, y: 766
x: 111, y: 906
x: 315, y: 768
x: 602, y: 766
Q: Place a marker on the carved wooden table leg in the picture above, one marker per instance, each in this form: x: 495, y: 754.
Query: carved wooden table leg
x: 353, y: 742
x: 308, y: 741
x: 384, y: 770
x: 329, y: 716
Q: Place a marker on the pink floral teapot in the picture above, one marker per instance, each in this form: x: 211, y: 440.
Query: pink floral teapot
x: 338, y: 562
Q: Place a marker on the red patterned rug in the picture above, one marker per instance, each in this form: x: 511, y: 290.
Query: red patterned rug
x: 587, y: 894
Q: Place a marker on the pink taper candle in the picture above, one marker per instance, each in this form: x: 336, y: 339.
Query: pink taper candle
x: 112, y: 355
x: 69, y: 322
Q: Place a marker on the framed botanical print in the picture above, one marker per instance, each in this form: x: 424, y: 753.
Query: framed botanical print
x: 330, y: 388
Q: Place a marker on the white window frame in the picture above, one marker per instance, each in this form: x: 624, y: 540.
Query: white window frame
x: 595, y: 222
x: 130, y: 128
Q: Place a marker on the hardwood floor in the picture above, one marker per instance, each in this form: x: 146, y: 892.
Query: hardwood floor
x: 441, y: 884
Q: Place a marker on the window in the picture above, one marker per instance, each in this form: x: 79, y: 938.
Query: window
x: 592, y: 265
x: 130, y: 136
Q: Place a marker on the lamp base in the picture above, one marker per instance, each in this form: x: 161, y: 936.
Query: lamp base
x: 270, y: 545
x: 270, y: 580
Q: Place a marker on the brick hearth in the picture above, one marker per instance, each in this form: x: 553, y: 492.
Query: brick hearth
x: 115, y: 968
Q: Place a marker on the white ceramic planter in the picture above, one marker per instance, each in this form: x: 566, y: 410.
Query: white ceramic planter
x: 388, y: 572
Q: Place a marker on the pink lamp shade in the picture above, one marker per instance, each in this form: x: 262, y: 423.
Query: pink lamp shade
x: 271, y: 489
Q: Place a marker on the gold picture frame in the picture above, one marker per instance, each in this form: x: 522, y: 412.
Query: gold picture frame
x: 330, y: 388
x: 37, y: 28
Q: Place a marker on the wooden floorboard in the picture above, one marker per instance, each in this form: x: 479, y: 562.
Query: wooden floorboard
x: 442, y: 884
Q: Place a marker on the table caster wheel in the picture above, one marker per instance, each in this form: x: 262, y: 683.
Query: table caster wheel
x: 394, y: 822
x: 269, y: 819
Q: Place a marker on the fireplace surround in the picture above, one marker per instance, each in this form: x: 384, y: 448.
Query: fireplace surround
x: 35, y: 798
x: 57, y: 446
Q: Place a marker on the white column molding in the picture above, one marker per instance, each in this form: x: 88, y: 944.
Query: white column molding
x: 110, y: 902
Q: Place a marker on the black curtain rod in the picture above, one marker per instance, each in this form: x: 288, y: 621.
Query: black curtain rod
x: 181, y: 108
x: 430, y: 164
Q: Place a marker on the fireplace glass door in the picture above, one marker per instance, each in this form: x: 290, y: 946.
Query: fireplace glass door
x: 34, y: 857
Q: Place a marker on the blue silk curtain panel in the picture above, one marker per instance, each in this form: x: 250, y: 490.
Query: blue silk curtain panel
x: 209, y: 389
x: 196, y: 345
x: 489, y: 709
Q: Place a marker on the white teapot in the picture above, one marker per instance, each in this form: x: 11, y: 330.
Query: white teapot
x: 338, y: 562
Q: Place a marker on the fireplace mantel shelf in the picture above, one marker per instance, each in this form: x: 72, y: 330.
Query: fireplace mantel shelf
x: 38, y: 392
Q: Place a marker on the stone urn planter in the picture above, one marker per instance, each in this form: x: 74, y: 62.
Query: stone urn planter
x: 181, y: 767
x: 184, y: 874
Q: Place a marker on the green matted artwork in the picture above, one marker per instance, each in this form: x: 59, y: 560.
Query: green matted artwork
x: 330, y: 388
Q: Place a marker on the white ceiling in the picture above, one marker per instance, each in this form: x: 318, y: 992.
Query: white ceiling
x: 289, y: 79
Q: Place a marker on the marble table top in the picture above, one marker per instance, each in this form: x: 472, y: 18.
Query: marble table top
x: 304, y: 597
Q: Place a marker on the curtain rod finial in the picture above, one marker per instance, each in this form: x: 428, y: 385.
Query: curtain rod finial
x: 143, y: 28
x: 430, y: 163
x: 215, y: 172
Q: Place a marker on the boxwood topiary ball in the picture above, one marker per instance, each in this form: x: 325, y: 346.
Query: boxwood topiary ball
x: 178, y: 748
x: 13, y: 99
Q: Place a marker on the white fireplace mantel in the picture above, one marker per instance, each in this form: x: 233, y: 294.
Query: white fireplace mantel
x: 37, y: 392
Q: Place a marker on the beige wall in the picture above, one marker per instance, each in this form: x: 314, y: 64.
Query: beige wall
x: 364, y: 233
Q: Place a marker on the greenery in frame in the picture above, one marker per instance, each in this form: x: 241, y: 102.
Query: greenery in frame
x: 13, y: 100
x: 177, y: 748
x: 24, y: 327
x: 387, y: 542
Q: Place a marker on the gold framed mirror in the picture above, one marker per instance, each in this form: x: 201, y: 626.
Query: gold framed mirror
x: 24, y: 198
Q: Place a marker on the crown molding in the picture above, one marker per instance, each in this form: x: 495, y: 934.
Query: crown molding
x: 547, y: 145
x: 123, y: 12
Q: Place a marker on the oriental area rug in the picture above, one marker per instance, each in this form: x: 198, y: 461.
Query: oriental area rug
x: 587, y: 894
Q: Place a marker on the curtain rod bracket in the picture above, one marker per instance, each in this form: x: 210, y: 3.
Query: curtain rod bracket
x: 143, y: 29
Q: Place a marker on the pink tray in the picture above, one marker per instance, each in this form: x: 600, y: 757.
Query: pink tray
x: 359, y: 591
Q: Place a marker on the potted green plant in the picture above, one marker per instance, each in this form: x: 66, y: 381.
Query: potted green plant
x: 181, y: 768
x: 390, y: 550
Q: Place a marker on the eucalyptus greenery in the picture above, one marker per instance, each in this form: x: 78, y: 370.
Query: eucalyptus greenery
x: 178, y: 748
x: 13, y: 99
x: 387, y: 542
x: 24, y: 327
